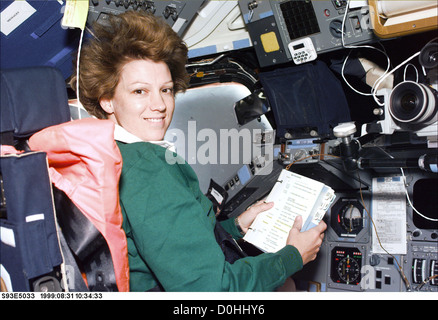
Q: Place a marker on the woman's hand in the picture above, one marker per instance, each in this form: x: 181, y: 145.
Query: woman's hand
x: 246, y: 218
x: 308, y: 242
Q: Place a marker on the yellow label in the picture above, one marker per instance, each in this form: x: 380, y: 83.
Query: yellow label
x: 270, y: 42
x: 75, y: 14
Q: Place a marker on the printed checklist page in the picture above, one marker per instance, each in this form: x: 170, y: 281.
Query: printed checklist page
x: 389, y: 215
x: 292, y: 195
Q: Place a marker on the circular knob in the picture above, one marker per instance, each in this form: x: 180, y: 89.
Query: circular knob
x: 335, y: 28
x: 344, y: 130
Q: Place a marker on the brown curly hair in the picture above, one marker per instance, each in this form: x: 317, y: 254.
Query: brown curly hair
x: 128, y: 36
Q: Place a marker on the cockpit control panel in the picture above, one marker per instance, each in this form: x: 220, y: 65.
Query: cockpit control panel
x: 176, y: 13
x: 274, y: 25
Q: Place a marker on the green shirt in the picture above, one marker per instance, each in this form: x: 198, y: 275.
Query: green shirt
x: 169, y: 225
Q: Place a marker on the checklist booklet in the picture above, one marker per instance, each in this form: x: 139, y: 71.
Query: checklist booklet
x: 293, y: 195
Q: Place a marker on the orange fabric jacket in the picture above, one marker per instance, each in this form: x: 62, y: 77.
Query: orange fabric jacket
x: 86, y: 164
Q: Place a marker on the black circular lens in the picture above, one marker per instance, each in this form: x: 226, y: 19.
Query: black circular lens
x: 408, y: 102
x: 429, y: 55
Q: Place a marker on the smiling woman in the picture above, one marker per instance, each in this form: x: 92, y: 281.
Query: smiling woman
x: 125, y: 39
x: 143, y: 101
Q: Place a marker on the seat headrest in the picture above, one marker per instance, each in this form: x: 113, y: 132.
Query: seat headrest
x: 32, y: 99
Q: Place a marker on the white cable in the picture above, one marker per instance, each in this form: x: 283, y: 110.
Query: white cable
x: 79, y: 105
x: 244, y: 71
x: 409, y: 200
x: 406, y: 191
x: 347, y: 83
x: 378, y: 82
x: 360, y: 47
x: 416, y: 72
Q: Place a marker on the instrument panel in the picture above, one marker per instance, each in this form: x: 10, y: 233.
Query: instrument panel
x: 348, y: 260
x: 273, y: 25
x: 351, y: 257
x: 346, y: 265
x: 177, y: 14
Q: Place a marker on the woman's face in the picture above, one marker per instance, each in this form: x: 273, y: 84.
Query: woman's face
x: 143, y: 101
